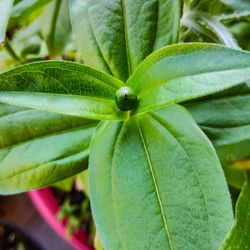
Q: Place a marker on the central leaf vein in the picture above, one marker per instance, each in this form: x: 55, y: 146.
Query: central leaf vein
x: 159, y: 120
x: 156, y: 187
x: 126, y: 36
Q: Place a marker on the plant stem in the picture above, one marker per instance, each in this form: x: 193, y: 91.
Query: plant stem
x: 51, y: 35
x: 9, y: 49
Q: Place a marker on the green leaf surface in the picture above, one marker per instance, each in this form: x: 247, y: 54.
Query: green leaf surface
x: 209, y: 6
x: 62, y: 87
x: 220, y: 30
x: 225, y: 120
x: 119, y: 34
x: 22, y: 10
x: 238, y: 5
x: 222, y: 112
x: 84, y: 35
x: 187, y: 71
x: 198, y: 28
x: 210, y: 22
x: 57, y: 27
x: 235, y: 177
x: 234, y: 152
x: 157, y: 184
x: 239, y: 236
x: 236, y: 16
x: 39, y: 148
x: 5, y: 10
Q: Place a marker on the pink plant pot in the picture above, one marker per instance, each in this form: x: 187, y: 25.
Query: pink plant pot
x: 47, y: 205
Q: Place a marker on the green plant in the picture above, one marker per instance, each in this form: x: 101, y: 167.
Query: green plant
x: 156, y: 181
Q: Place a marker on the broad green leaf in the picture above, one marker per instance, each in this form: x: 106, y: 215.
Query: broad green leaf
x: 239, y: 236
x: 62, y: 87
x: 158, y: 184
x: 39, y: 148
x: 187, y: 71
x: 84, y: 35
x: 57, y: 27
x: 226, y: 136
x: 222, y: 112
x: 22, y: 10
x: 238, y: 5
x: 225, y: 120
x: 5, y: 10
x: 119, y: 34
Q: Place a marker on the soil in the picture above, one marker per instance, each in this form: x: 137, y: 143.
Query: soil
x: 12, y: 238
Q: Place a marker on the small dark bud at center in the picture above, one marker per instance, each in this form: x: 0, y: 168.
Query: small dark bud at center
x: 126, y: 99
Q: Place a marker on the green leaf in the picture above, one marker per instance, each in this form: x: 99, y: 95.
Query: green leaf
x: 236, y: 16
x: 222, y: 112
x: 83, y: 179
x: 208, y: 21
x: 235, y: 177
x: 209, y: 6
x: 157, y: 184
x: 40, y: 148
x: 5, y: 10
x: 84, y: 35
x: 62, y: 87
x: 220, y: 30
x: 22, y: 10
x: 238, y: 5
x: 120, y: 34
x: 57, y: 27
x: 197, y: 27
x: 234, y: 152
x: 187, y: 71
x: 225, y: 120
x: 239, y: 236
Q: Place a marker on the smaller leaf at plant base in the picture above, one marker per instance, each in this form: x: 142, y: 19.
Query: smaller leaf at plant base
x: 5, y: 10
x: 239, y: 236
x: 187, y: 71
x: 39, y: 148
x: 156, y: 183
x: 62, y: 87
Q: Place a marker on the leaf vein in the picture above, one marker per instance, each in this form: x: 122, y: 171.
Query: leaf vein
x: 156, y: 187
